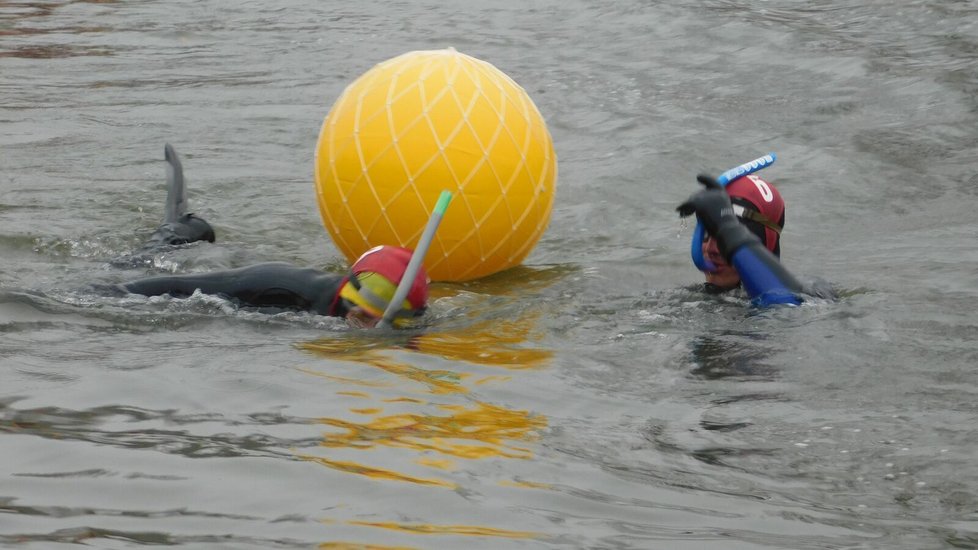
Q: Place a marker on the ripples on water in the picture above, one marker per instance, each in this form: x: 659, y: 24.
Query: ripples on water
x: 593, y: 399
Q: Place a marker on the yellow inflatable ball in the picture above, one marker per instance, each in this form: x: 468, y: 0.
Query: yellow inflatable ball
x: 428, y: 121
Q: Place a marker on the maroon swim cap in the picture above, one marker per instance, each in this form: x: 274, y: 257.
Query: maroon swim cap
x: 761, y: 209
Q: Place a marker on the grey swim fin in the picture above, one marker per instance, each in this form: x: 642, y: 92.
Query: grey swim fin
x: 176, y: 191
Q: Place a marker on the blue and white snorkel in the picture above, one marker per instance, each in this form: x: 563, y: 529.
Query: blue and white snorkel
x: 696, y: 248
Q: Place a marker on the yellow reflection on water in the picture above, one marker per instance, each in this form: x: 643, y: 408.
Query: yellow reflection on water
x: 428, y: 529
x: 344, y: 379
x: 483, y: 431
x: 440, y: 464
x: 355, y: 546
x: 404, y: 400
x: 521, y: 281
x: 488, y: 379
x: 357, y: 394
x: 490, y: 342
x: 376, y: 473
x: 431, y: 438
x: 437, y: 381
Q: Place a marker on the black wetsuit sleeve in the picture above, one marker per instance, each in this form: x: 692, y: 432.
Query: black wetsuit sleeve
x: 270, y: 285
x: 179, y: 286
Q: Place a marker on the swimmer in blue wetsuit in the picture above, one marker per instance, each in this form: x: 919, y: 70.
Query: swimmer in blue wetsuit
x: 361, y: 296
x: 743, y: 223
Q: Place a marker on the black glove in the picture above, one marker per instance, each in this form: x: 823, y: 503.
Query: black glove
x: 713, y: 209
x: 710, y: 205
x: 189, y: 228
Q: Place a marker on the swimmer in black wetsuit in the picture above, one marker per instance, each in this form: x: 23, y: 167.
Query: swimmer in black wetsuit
x: 361, y: 296
x: 743, y: 222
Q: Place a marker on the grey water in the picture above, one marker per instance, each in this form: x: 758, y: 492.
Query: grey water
x: 591, y: 398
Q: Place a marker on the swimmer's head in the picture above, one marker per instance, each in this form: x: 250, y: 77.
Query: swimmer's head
x: 760, y: 207
x: 373, y: 280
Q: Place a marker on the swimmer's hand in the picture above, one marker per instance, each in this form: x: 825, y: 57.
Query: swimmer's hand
x: 713, y: 209
x: 711, y: 205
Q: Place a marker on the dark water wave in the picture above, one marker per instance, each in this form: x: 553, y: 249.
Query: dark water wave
x: 67, y: 425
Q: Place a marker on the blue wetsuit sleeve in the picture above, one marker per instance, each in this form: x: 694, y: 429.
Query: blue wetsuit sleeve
x: 766, y: 281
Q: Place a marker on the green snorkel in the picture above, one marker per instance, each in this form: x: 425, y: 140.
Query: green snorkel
x: 414, y: 264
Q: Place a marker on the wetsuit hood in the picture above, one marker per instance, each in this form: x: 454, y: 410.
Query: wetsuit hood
x: 760, y: 207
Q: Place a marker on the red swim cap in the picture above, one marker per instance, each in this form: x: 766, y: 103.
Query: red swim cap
x: 390, y: 262
x: 761, y: 208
